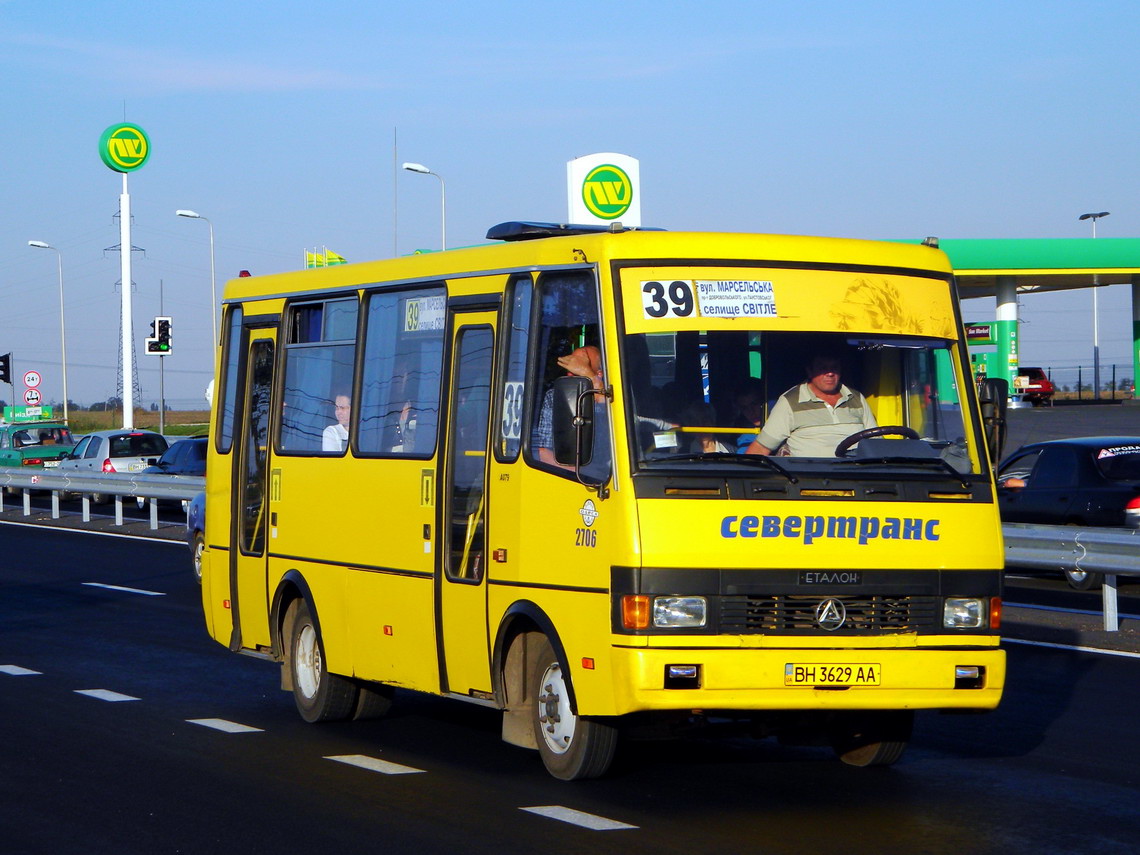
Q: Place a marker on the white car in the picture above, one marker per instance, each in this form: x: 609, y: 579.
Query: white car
x: 114, y: 451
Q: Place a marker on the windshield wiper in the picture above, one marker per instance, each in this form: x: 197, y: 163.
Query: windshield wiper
x: 750, y: 459
x: 940, y: 462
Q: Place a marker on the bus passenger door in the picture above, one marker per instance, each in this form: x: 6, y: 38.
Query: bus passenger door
x: 465, y: 653
x: 250, y: 510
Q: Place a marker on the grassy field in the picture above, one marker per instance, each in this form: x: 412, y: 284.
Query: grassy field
x: 178, y: 422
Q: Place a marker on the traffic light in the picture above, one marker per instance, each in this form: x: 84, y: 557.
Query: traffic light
x: 159, y: 341
x: 6, y: 368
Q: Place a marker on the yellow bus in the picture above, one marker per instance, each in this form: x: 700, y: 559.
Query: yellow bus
x: 533, y: 475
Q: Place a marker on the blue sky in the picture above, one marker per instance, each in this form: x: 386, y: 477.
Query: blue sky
x: 276, y: 121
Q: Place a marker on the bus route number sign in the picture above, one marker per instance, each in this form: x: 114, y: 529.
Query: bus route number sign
x: 708, y: 298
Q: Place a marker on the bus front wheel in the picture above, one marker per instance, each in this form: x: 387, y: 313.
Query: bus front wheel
x: 872, y: 738
x: 319, y: 695
x: 572, y: 747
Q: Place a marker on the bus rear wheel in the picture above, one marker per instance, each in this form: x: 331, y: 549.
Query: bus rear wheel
x: 872, y: 738
x: 572, y: 747
x: 319, y: 695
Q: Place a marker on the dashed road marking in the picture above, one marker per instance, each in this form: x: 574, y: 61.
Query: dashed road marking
x: 225, y: 726
x: 1079, y: 648
x: 105, y: 695
x: 373, y: 764
x: 577, y: 817
x: 17, y: 671
x: 125, y: 590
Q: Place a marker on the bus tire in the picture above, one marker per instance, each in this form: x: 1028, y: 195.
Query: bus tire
x: 373, y: 701
x: 197, y: 547
x: 572, y: 747
x: 319, y: 695
x: 873, y: 738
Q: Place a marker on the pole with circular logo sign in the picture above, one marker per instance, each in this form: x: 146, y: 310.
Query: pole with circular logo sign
x: 124, y: 148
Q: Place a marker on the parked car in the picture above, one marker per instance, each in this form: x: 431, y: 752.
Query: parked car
x: 1036, y: 388
x: 183, y: 457
x: 196, y: 532
x: 1088, y: 481
x: 34, y: 444
x: 122, y: 450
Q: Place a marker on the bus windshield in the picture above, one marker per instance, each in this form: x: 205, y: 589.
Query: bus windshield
x: 809, y: 400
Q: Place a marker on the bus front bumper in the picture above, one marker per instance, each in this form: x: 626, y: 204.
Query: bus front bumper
x: 647, y: 679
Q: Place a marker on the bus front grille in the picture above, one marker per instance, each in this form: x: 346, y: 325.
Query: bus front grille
x: 862, y: 614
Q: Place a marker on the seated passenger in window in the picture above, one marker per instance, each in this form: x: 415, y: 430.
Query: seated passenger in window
x: 748, y: 412
x: 699, y: 415
x: 335, y: 436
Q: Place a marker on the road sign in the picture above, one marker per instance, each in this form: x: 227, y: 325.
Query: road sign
x: 32, y: 379
x: 32, y: 397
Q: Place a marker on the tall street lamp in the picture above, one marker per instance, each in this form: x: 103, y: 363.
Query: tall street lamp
x: 213, y: 286
x: 1096, y: 315
x: 39, y: 244
x: 423, y: 170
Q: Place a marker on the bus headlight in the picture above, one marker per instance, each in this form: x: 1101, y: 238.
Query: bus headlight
x: 677, y: 612
x: 964, y: 613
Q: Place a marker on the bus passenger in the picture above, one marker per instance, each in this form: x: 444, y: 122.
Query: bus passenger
x: 335, y: 436
x: 815, y: 416
x: 748, y: 411
x: 581, y: 362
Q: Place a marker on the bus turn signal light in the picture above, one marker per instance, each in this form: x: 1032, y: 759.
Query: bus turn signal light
x: 635, y: 611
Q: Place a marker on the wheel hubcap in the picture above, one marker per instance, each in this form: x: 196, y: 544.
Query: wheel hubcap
x: 307, y: 662
x: 558, y: 722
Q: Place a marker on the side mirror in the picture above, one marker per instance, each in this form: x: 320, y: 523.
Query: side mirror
x: 993, y: 395
x: 573, y: 420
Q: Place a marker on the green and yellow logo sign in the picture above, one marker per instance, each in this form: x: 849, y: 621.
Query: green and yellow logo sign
x: 124, y: 147
x: 607, y: 192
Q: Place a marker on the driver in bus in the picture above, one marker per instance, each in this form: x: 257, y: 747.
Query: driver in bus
x: 812, y: 418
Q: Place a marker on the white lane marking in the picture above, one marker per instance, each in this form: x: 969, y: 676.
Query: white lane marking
x: 372, y: 764
x: 1076, y: 647
x: 105, y: 695
x: 180, y: 542
x: 225, y: 726
x: 1089, y: 612
x: 126, y: 590
x: 17, y: 671
x: 576, y: 817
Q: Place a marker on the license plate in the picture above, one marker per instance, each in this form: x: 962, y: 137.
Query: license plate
x: 136, y: 467
x: 48, y: 464
x: 813, y: 674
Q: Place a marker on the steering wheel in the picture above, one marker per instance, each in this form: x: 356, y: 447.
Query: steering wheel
x: 883, y: 430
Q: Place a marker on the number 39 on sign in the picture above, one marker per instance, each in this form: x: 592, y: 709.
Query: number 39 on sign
x: 660, y: 299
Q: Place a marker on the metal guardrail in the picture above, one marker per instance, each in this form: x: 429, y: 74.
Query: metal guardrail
x: 1110, y: 551
x: 116, y: 484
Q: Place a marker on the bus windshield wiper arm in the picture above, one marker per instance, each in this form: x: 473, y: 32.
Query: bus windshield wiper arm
x: 750, y: 459
x: 922, y: 461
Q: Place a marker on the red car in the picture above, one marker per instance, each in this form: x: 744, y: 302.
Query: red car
x: 1037, y: 388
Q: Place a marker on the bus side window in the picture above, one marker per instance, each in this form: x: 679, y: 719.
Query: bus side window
x: 319, y: 355
x: 227, y: 395
x: 513, y: 389
x: 401, y: 373
x: 568, y: 319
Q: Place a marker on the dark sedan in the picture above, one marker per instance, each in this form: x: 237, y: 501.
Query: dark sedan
x: 1089, y: 481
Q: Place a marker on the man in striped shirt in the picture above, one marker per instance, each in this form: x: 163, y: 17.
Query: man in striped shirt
x: 815, y: 416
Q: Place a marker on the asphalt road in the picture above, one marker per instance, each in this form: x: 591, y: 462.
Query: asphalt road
x: 1037, y: 424
x: 146, y: 770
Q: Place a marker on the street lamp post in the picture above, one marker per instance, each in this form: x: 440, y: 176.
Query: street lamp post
x: 193, y: 215
x: 423, y: 170
x: 1096, y: 314
x: 39, y: 244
